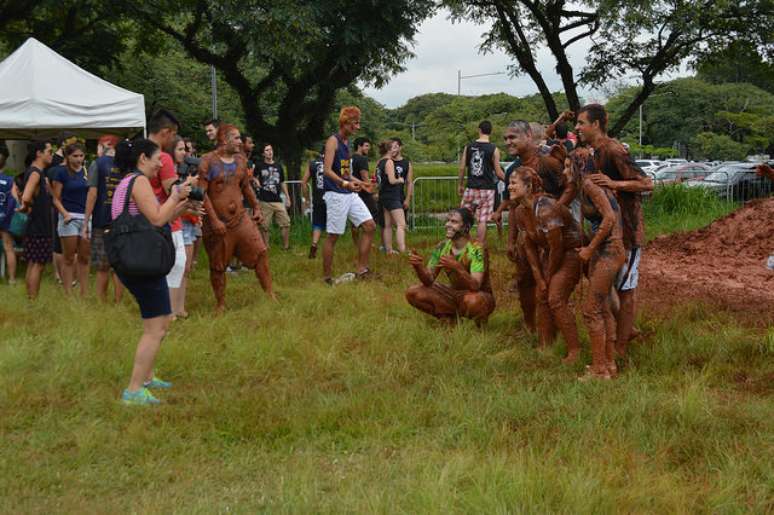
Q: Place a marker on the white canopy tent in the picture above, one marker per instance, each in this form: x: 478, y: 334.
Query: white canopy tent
x: 43, y: 94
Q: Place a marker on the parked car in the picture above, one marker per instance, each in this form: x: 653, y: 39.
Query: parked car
x: 680, y: 173
x: 649, y: 165
x: 735, y: 181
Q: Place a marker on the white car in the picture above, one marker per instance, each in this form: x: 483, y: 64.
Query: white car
x: 649, y: 166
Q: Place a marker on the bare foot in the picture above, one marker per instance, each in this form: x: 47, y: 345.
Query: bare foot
x: 590, y: 375
x: 572, y: 357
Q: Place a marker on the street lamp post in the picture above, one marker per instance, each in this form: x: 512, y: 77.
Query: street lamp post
x: 461, y: 77
x: 214, y: 88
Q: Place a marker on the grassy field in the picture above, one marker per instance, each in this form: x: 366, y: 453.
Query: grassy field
x: 345, y: 400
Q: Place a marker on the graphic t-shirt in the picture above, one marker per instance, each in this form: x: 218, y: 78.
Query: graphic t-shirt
x: 271, y: 177
x: 481, y: 174
x: 317, y: 175
x: 40, y: 214
x: 472, y: 257
x: 104, y: 177
x: 75, y: 187
x: 340, y: 166
x: 7, y: 202
x: 167, y: 171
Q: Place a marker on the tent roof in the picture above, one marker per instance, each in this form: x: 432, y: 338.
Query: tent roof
x: 42, y: 94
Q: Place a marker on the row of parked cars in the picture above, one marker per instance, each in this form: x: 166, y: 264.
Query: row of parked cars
x: 731, y: 180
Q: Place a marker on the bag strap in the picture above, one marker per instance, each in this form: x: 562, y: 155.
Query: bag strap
x: 128, y: 198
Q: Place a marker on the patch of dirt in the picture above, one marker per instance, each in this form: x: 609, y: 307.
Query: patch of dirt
x: 723, y: 264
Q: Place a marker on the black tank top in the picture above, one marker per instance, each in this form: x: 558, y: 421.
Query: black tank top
x: 387, y: 190
x: 481, y: 174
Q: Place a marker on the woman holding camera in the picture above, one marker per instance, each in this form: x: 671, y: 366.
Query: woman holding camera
x: 143, y: 157
x: 190, y: 221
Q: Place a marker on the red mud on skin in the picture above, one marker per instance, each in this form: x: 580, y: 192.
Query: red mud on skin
x: 723, y: 264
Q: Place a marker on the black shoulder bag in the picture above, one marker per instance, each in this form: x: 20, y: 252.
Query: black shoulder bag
x: 137, y: 248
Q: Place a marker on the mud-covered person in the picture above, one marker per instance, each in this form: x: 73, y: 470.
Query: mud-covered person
x: 227, y: 230
x: 549, y: 228
x: 465, y: 262
x: 605, y: 255
x: 617, y: 171
x: 520, y: 145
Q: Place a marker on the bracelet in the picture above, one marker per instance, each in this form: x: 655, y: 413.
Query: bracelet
x: 344, y: 184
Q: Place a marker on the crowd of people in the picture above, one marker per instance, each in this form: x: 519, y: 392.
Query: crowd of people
x: 229, y: 197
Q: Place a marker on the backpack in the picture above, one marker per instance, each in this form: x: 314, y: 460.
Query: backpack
x: 137, y: 248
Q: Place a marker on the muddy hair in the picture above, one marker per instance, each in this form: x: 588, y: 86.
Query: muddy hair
x: 529, y: 176
x: 595, y: 113
x: 224, y: 130
x: 128, y: 153
x: 520, y: 126
x: 467, y: 218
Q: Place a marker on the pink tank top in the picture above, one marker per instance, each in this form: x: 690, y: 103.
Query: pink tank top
x: 119, y: 197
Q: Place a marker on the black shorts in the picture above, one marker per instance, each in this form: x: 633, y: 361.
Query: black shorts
x: 319, y: 215
x: 392, y: 203
x: 152, y: 295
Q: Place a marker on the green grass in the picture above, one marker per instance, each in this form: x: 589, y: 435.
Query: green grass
x: 675, y: 207
x: 346, y: 400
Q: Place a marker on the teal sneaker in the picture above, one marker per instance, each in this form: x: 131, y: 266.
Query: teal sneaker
x: 141, y: 397
x: 157, y: 383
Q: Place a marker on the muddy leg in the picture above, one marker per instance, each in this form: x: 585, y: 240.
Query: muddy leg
x: 559, y: 291
x: 625, y: 322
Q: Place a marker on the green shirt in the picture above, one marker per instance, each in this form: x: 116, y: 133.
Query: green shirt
x: 472, y: 256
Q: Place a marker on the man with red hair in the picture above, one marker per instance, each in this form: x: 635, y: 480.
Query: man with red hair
x: 227, y: 229
x: 341, y: 199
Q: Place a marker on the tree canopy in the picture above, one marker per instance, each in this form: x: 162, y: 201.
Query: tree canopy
x: 630, y: 38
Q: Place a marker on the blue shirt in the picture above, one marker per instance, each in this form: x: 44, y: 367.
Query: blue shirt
x: 74, y: 188
x: 340, y: 166
x: 103, y: 177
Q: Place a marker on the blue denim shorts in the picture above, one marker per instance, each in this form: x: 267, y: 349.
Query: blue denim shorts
x: 189, y: 233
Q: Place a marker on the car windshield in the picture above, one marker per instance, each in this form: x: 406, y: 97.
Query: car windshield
x: 666, y: 173
x: 644, y: 163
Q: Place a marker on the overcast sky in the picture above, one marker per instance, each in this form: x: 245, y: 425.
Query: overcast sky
x: 442, y: 48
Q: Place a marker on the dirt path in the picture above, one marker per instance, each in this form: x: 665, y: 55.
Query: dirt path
x: 723, y: 264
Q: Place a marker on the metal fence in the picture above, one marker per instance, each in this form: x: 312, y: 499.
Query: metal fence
x: 737, y: 187
x: 432, y: 200
x: 297, y: 206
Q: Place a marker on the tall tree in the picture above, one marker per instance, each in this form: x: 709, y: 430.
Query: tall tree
x: 286, y: 59
x: 88, y: 32
x: 644, y: 39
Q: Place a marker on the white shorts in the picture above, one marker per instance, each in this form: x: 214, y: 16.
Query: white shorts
x: 629, y: 274
x: 340, y: 206
x: 175, y: 276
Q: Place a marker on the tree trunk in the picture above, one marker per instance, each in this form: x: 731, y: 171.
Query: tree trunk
x: 647, y: 88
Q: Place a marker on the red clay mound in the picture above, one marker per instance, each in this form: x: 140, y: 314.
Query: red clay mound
x: 723, y: 264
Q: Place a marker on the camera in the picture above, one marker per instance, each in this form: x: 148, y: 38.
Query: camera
x: 190, y: 167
